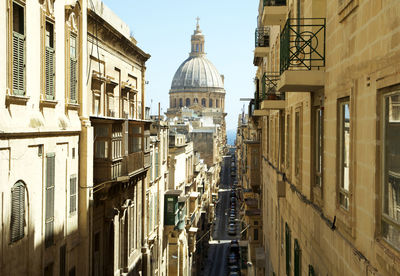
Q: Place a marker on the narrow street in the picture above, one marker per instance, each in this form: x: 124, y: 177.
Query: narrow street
x: 219, y: 245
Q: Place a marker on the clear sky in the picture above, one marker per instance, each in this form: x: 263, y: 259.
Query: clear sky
x: 163, y: 29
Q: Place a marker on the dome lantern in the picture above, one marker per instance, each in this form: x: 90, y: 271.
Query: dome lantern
x: 197, y: 41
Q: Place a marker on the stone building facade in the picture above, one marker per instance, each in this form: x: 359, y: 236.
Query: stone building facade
x: 118, y: 146
x: 326, y: 109
x: 41, y: 91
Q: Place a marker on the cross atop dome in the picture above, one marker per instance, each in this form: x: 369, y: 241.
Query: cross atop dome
x: 197, y: 41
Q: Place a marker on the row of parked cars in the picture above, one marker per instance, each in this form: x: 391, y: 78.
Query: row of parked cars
x: 234, y: 254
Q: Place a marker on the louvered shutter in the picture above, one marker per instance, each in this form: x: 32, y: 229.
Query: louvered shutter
x: 157, y: 165
x: 49, y: 73
x: 72, y: 194
x: 50, y: 177
x: 73, y: 80
x: 17, y: 212
x: 18, y: 65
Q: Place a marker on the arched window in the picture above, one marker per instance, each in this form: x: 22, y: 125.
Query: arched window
x: 203, y: 102
x: 17, y: 211
x: 187, y: 102
x: 180, y: 102
x: 197, y: 47
x: 217, y: 103
x: 210, y: 103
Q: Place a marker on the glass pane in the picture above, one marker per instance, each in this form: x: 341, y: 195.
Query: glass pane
x: 391, y: 233
x: 49, y: 35
x: 18, y: 19
x: 345, y: 146
x: 72, y: 46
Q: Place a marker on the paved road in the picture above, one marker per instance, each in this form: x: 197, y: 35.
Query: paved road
x: 219, y: 245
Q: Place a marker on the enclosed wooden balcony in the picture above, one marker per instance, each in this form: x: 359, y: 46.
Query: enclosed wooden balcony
x: 274, y: 12
x: 132, y: 163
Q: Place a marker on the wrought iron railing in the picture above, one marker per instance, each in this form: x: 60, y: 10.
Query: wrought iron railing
x: 274, y: 2
x: 262, y: 37
x: 269, y: 83
x: 303, y: 44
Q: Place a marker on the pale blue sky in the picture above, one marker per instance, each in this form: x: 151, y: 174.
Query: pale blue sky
x: 163, y: 29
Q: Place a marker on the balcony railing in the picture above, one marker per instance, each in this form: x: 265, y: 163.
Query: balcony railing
x: 274, y: 2
x: 269, y: 84
x: 262, y: 37
x: 303, y: 44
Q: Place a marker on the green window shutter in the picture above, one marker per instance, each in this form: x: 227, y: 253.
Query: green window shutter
x: 50, y: 179
x: 297, y: 258
x: 49, y: 73
x: 157, y: 164
x: 311, y: 271
x: 18, y: 66
x: 72, y: 194
x: 287, y: 249
x: 17, y: 212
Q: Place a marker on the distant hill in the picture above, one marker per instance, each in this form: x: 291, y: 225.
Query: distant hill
x: 231, y: 135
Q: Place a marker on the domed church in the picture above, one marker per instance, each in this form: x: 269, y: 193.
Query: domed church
x: 197, y: 84
x: 197, y: 103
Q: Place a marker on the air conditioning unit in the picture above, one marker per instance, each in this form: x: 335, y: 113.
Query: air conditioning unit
x: 281, y: 188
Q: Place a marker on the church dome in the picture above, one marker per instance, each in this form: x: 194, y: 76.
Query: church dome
x: 197, y: 72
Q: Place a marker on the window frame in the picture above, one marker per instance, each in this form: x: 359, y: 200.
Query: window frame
x: 11, y: 62
x: 49, y: 74
x: 20, y: 185
x: 341, y: 138
x: 385, y: 219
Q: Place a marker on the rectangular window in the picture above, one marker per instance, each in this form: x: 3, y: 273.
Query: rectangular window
x: 135, y: 139
x: 288, y: 145
x: 49, y: 61
x: 297, y: 143
x: 73, y: 69
x: 391, y: 168
x: 116, y: 142
x: 318, y: 145
x: 256, y: 234
x: 101, y: 144
x: 282, y: 139
x: 157, y: 164
x: 50, y: 180
x: 297, y: 258
x: 63, y: 253
x: 287, y: 249
x: 72, y: 194
x: 344, y: 152
x: 18, y: 48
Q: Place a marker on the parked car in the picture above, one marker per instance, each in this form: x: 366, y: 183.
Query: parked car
x: 233, y: 259
x: 232, y: 229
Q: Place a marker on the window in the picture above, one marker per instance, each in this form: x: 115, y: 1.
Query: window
x: 72, y: 194
x: 318, y: 145
x: 175, y: 102
x: 391, y: 169
x: 18, y: 48
x: 187, y: 102
x: 157, y: 164
x: 297, y: 143
x: 48, y: 270
x: 288, y: 144
x: 203, y: 102
x: 287, y: 249
x: 210, y: 103
x: 73, y: 69
x: 50, y: 177
x: 344, y: 152
x: 135, y: 139
x: 180, y: 102
x: 151, y: 166
x: 297, y: 258
x: 116, y: 143
x: 63, y: 253
x: 256, y: 234
x: 101, y: 143
x: 49, y: 61
x: 17, y: 211
x: 217, y: 103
